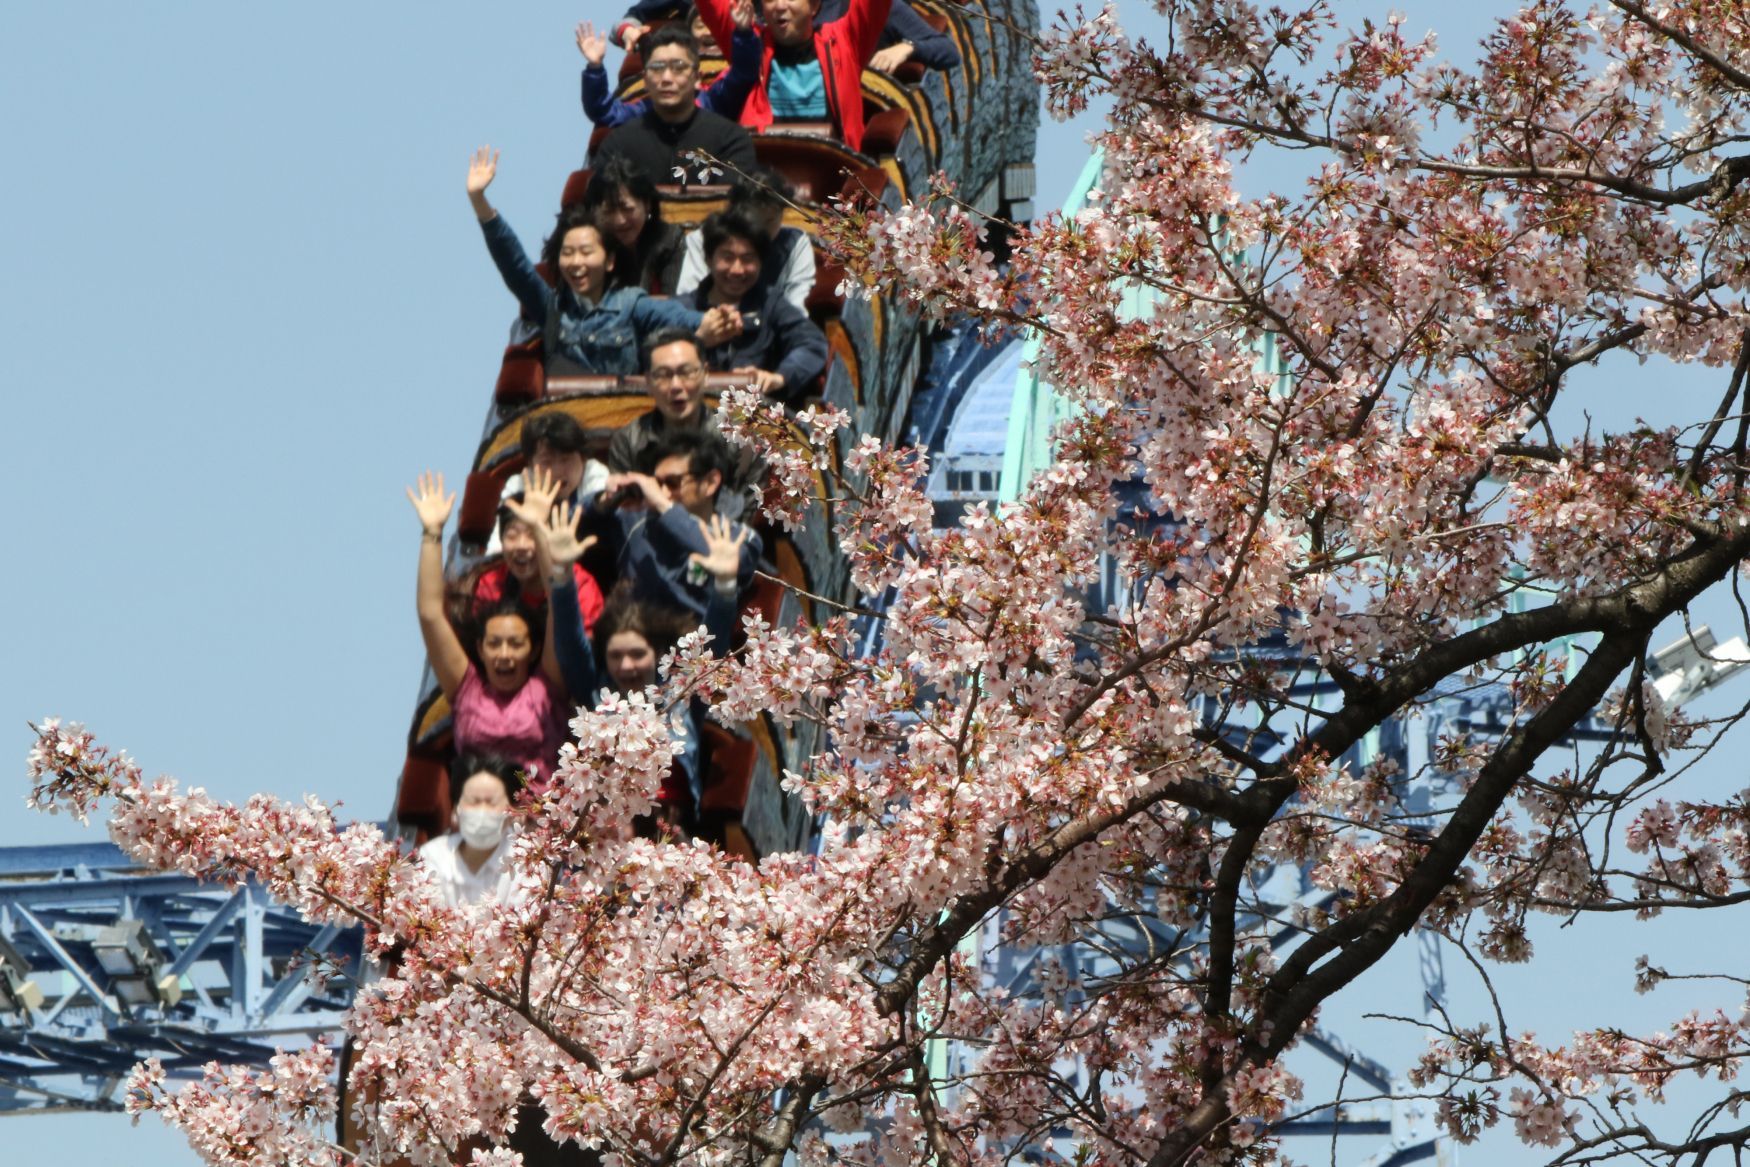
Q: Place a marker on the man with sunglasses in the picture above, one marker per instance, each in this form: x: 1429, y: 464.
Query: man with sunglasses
x: 658, y: 519
x: 672, y: 124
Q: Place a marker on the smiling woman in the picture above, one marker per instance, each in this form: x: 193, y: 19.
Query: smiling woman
x: 588, y: 323
x: 625, y: 204
x: 510, y: 697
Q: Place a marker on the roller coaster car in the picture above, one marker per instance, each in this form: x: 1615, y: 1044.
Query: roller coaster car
x: 813, y: 163
x: 729, y: 759
x: 817, y: 164
x: 973, y: 122
x: 522, y: 379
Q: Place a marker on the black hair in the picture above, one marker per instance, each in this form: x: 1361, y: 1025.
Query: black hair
x: 672, y: 335
x: 763, y: 189
x: 676, y: 33
x: 506, y: 516
x: 703, y: 451
x: 722, y: 225
x: 620, y: 265
x: 559, y: 430
x: 534, y: 622
x: 618, y: 173
x: 465, y: 766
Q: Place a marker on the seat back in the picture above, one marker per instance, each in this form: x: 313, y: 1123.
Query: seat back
x: 480, y: 500
x: 815, y: 166
x: 575, y: 185
x: 522, y: 379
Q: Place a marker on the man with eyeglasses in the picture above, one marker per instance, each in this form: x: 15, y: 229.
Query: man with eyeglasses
x: 725, y: 95
x: 672, y: 124
x: 675, y: 374
x: 656, y: 522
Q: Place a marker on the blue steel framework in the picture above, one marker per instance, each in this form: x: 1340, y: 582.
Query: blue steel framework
x: 102, y: 965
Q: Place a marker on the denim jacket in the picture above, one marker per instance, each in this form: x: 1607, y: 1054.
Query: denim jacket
x: 602, y: 336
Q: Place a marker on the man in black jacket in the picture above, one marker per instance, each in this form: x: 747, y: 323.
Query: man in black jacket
x: 672, y: 124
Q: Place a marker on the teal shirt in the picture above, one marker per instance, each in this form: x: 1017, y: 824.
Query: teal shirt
x: 797, y: 90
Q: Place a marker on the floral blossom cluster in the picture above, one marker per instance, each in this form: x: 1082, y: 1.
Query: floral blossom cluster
x: 1329, y: 465
x: 234, y: 1115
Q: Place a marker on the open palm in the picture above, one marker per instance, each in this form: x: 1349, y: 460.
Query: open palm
x: 482, y: 169
x: 560, y: 532
x: 723, y: 548
x: 592, y: 44
x: 430, y: 503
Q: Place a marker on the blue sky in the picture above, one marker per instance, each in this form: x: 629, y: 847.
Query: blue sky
x: 244, y: 304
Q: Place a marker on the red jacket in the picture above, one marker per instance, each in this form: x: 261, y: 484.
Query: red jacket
x: 494, y: 582
x: 843, y: 46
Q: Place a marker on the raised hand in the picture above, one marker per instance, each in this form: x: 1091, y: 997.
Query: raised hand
x: 593, y: 45
x: 629, y: 39
x: 560, y: 534
x: 741, y: 13
x: 430, y: 502
x: 482, y: 169
x: 723, y: 559
x: 540, y: 488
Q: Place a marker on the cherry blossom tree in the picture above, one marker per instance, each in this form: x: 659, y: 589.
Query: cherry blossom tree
x: 1419, y: 503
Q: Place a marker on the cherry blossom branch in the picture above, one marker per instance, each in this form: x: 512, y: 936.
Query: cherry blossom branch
x: 1727, y: 70
x: 1358, y: 940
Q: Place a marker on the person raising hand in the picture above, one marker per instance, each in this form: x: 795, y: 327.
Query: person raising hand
x: 589, y: 323
x: 509, y: 698
x: 726, y: 94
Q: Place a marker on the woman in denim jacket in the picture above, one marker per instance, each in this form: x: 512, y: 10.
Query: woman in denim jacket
x: 587, y: 323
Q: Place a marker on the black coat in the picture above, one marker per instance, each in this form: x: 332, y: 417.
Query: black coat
x: 658, y: 148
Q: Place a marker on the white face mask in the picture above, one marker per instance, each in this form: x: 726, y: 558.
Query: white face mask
x: 481, y: 828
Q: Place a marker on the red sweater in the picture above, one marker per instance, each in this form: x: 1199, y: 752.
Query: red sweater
x: 494, y: 582
x: 843, y: 47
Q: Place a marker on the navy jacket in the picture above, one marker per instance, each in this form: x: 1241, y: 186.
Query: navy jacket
x: 653, y: 552
x: 785, y: 342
